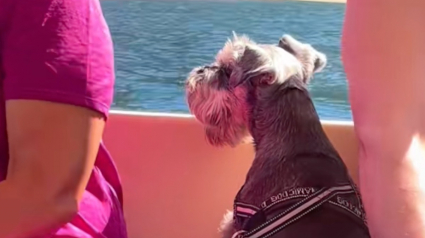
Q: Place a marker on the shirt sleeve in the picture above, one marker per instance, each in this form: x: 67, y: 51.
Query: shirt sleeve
x: 59, y: 51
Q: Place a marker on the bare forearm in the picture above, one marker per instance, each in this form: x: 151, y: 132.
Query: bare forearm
x: 25, y: 215
x: 383, y: 53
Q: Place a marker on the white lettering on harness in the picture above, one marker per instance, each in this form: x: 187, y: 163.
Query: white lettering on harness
x: 350, y: 206
x: 292, y: 193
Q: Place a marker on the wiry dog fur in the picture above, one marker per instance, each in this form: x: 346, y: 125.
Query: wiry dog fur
x: 216, y: 100
x: 260, y: 90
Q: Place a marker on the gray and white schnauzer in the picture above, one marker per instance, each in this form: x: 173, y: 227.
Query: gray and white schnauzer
x: 298, y: 185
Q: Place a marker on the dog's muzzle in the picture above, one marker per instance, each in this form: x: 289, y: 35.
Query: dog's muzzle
x: 254, y: 223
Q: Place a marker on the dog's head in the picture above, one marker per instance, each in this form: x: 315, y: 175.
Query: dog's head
x: 220, y: 94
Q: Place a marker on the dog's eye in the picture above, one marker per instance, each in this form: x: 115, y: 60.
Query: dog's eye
x: 227, y: 72
x: 200, y: 71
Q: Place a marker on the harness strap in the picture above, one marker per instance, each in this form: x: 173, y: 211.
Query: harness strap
x: 295, y: 212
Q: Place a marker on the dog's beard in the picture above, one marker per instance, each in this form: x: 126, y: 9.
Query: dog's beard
x: 223, y: 112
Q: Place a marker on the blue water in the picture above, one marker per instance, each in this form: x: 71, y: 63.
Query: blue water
x: 158, y: 43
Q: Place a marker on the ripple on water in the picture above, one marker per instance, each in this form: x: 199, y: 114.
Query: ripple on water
x: 158, y: 43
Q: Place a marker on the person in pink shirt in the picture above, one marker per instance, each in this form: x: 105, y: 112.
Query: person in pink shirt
x: 57, y: 79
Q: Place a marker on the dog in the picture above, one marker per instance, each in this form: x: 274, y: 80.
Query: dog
x: 298, y: 185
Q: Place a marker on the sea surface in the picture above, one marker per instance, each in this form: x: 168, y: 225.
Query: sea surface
x: 157, y: 43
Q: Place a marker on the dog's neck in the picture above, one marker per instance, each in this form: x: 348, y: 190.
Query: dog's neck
x: 285, y: 122
x: 291, y: 148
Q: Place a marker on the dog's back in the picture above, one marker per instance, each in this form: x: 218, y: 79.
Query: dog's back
x: 294, y: 154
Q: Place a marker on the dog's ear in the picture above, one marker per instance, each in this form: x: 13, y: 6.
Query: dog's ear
x: 245, y: 61
x: 253, y: 65
x: 238, y: 56
x: 311, y: 60
x: 267, y: 65
x: 291, y: 45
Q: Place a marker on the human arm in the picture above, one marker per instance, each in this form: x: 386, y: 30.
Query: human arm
x: 58, y: 84
x: 383, y: 53
x: 52, y: 149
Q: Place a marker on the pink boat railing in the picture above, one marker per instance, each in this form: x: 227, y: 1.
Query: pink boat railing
x: 175, y: 184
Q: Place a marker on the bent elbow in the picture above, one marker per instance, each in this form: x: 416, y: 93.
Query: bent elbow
x: 37, y: 209
x: 53, y: 211
x: 63, y: 209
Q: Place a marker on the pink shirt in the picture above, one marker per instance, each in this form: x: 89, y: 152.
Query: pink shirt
x: 61, y: 51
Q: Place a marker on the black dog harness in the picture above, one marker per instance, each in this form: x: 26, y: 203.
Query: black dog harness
x: 254, y: 224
